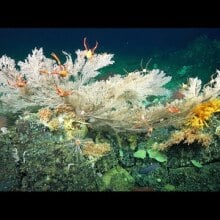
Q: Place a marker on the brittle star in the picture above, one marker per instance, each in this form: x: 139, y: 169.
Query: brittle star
x: 89, y: 52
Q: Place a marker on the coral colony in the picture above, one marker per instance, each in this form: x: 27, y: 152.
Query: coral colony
x: 68, y: 95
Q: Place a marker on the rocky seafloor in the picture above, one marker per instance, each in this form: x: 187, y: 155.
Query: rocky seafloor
x: 34, y: 158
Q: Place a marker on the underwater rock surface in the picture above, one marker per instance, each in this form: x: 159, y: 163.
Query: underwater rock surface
x: 35, y: 159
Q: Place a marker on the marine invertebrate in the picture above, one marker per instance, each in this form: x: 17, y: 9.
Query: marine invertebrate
x: 64, y: 109
x: 116, y: 103
x: 53, y: 124
x: 62, y: 92
x: 20, y: 82
x: 89, y: 52
x: 173, y: 109
x: 59, y: 70
x: 45, y: 114
x: 32, y: 83
x: 77, y: 144
x: 202, y: 112
x: 96, y: 150
x: 73, y: 127
x: 186, y: 136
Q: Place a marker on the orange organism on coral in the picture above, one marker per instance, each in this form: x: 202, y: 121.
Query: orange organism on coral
x: 173, y: 109
x: 60, y: 70
x: 45, y: 114
x: 20, y: 82
x: 62, y: 93
x: 89, y: 52
x: 202, y: 112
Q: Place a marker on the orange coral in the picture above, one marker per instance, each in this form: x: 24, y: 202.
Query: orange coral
x: 202, y: 113
x: 45, y: 114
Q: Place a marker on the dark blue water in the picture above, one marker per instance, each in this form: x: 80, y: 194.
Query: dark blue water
x: 18, y: 42
x: 130, y: 45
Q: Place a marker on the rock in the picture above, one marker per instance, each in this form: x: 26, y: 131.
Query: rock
x: 117, y: 179
x: 206, y: 178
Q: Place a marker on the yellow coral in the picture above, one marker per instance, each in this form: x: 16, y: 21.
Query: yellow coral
x: 202, y: 113
x: 96, y: 150
x: 74, y: 128
x: 53, y: 124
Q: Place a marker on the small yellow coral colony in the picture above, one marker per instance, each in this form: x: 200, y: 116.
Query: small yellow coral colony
x: 202, y: 113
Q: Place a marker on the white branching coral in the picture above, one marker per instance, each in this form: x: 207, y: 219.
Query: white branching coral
x: 212, y: 89
x: 85, y: 69
x: 44, y: 81
x: 117, y: 102
x: 192, y: 90
x: 132, y: 89
x: 33, y: 64
x: 69, y: 62
x: 7, y: 64
x: 7, y: 69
